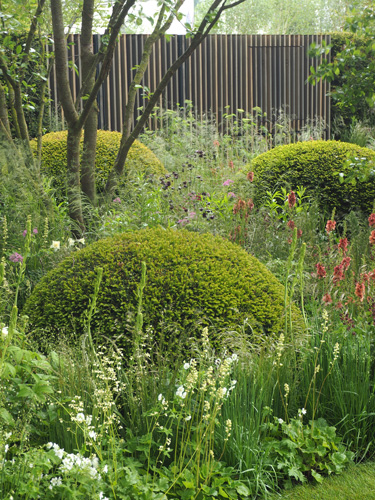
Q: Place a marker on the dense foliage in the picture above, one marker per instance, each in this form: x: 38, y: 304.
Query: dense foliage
x: 140, y: 158
x: 335, y: 173
x: 190, y: 277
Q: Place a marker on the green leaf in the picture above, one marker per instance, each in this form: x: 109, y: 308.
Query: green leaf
x: 6, y: 416
x: 9, y: 369
x: 318, y: 477
x: 296, y: 473
x: 222, y: 492
x: 188, y: 484
x: 242, y: 489
x: 25, y: 392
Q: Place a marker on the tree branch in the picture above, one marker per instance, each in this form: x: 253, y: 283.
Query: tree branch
x: 61, y: 59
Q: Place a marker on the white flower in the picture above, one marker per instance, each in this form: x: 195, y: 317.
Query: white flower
x: 80, y: 418
x: 102, y: 497
x: 55, y: 245
x: 6, y: 449
x: 181, y: 392
x: 92, y: 435
x: 4, y: 331
x: 234, y: 357
x: 82, y: 241
x: 188, y: 418
x: 70, y: 242
x: 55, y: 481
x: 303, y: 411
x: 281, y: 421
x: 221, y: 392
x: 105, y: 469
x: 160, y: 397
x: 186, y: 366
x: 59, y: 453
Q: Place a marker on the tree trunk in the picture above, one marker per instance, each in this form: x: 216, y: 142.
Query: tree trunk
x: 91, y: 124
x: 73, y: 181
x: 4, y: 111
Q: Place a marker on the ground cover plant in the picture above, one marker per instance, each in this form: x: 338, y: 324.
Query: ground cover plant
x: 232, y: 418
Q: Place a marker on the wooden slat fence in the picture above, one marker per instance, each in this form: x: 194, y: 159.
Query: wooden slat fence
x: 239, y: 71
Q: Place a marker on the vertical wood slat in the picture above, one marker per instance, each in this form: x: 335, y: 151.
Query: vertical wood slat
x: 242, y: 71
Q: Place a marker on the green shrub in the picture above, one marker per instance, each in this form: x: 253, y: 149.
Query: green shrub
x: 316, y: 165
x: 140, y: 157
x: 191, y: 278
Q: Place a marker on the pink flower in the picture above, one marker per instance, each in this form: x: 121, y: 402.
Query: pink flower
x: 338, y: 273
x: 228, y: 182
x: 231, y: 165
x: 346, y: 262
x: 35, y: 230
x: 321, y: 270
x: 216, y: 143
x: 292, y: 199
x: 117, y: 200
x: 371, y: 220
x: 372, y: 238
x: 250, y: 176
x: 231, y: 195
x: 330, y: 226
x: 360, y: 291
x: 327, y: 299
x: 16, y: 257
x: 343, y: 244
x: 24, y: 233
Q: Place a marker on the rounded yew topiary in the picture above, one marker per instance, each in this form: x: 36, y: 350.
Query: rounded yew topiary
x: 316, y: 165
x: 191, y: 278
x: 140, y: 158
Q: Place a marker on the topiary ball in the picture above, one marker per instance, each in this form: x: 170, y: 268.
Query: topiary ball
x: 140, y: 158
x: 315, y: 165
x: 191, y: 278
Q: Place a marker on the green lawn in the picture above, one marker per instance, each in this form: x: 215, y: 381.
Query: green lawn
x: 357, y: 483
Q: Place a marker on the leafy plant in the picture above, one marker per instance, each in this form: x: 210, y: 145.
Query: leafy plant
x: 303, y: 451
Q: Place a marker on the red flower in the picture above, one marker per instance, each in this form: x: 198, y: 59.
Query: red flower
x: 292, y: 199
x: 327, y: 299
x: 299, y: 233
x: 371, y: 220
x: 343, y: 244
x: 250, y: 204
x: 321, y: 271
x: 338, y: 273
x: 339, y: 305
x: 291, y: 225
x: 372, y: 238
x: 250, y: 176
x: 231, y: 164
x: 360, y: 291
x: 346, y: 263
x: 331, y: 225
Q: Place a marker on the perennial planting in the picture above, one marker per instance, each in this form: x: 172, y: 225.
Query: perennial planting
x: 197, y: 342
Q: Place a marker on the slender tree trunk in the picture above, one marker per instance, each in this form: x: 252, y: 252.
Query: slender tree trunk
x: 4, y: 111
x: 73, y: 179
x: 13, y: 113
x: 91, y: 125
